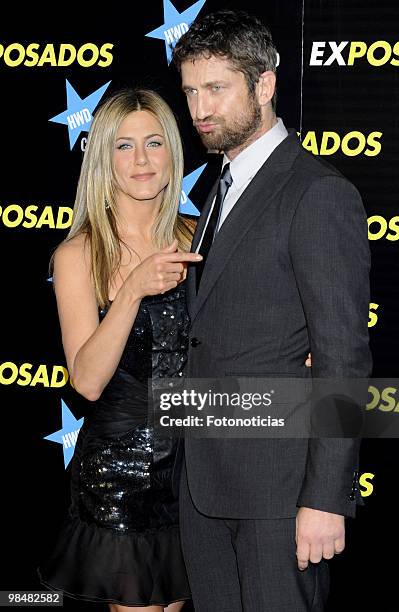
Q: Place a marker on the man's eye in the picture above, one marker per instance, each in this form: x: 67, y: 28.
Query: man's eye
x: 216, y: 87
x: 190, y: 92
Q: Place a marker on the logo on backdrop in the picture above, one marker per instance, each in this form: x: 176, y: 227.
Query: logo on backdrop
x: 345, y: 53
x: 36, y: 55
x: 176, y: 24
x: 379, y: 227
x: 351, y: 144
x: 68, y: 435
x: 78, y: 114
x: 30, y: 375
x: 373, y: 316
x: 37, y: 217
x: 385, y: 400
x: 367, y: 486
x: 186, y: 205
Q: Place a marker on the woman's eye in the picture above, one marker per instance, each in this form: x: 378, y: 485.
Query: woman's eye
x: 155, y: 143
x: 124, y: 145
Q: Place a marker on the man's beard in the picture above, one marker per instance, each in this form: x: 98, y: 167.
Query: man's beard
x: 234, y: 134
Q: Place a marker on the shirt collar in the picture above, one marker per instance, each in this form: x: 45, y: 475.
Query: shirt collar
x: 249, y: 161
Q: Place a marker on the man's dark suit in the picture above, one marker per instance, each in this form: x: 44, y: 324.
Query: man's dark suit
x: 288, y: 273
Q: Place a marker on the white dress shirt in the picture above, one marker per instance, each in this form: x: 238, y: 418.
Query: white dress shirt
x: 244, y: 167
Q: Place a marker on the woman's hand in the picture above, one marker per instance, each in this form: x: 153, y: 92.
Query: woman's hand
x: 160, y: 272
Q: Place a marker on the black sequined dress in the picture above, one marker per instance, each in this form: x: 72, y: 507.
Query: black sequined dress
x: 120, y: 542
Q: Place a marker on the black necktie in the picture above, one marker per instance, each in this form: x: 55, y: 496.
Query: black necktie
x: 209, y: 235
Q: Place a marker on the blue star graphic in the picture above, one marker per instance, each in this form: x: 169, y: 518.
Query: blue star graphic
x: 176, y: 24
x: 67, y: 436
x: 78, y: 114
x: 186, y: 206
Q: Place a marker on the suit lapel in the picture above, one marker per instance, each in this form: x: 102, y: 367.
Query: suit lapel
x: 270, y: 179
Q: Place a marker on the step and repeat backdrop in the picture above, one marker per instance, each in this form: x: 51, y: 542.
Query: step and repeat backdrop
x: 338, y: 85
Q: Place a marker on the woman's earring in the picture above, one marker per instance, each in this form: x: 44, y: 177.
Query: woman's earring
x: 107, y: 204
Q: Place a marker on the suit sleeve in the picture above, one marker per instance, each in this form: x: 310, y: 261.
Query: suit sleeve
x: 331, y: 261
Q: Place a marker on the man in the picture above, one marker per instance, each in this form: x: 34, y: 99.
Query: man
x: 286, y: 264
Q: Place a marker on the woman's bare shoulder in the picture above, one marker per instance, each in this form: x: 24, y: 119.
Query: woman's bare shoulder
x: 75, y: 250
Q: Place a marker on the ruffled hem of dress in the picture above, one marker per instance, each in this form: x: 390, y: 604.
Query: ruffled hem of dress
x: 162, y: 604
x: 96, y: 564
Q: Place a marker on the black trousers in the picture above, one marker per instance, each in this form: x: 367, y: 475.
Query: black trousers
x: 247, y: 565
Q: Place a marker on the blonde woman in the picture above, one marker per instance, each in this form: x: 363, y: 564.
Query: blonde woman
x: 118, y: 283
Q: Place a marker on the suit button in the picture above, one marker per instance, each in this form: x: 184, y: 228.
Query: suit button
x: 195, y: 342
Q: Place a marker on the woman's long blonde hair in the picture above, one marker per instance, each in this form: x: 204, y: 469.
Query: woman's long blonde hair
x: 95, y: 212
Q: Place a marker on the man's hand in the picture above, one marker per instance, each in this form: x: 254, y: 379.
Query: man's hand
x: 318, y: 535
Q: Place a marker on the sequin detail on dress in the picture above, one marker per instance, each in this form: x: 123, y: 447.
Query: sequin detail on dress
x: 113, y: 480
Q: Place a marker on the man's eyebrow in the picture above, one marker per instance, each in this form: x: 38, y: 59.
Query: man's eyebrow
x: 145, y: 137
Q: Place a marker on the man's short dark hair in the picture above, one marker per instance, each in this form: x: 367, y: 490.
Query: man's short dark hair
x: 239, y: 37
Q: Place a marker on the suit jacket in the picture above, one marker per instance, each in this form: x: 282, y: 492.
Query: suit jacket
x: 288, y: 273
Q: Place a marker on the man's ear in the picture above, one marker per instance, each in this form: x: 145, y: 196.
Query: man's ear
x: 266, y: 87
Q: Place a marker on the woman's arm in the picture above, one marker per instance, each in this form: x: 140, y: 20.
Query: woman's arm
x: 92, y: 349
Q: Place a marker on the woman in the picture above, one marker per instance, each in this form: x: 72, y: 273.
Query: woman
x: 125, y: 255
